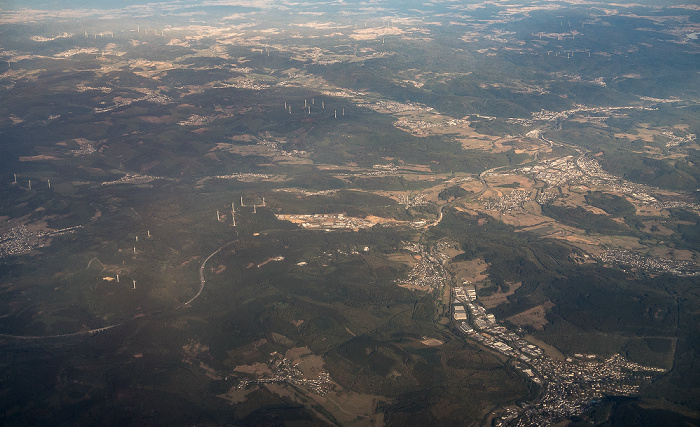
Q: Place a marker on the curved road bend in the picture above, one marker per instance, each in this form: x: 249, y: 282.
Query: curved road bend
x: 202, y: 281
x: 439, y: 218
x: 483, y: 181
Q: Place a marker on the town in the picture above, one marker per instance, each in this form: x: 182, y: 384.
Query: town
x: 422, y: 126
x: 511, y: 202
x: 411, y: 201
x: 20, y: 240
x: 582, y: 170
x: 568, y: 387
x: 428, y: 272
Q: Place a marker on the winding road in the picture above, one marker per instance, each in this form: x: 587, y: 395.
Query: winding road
x: 202, y: 281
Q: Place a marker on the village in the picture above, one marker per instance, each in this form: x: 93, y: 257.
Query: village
x: 284, y: 371
x: 133, y: 178
x: 635, y: 260
x: 545, y: 115
x: 20, y: 240
x: 511, y: 202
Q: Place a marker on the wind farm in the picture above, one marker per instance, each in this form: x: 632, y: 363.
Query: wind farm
x: 488, y: 218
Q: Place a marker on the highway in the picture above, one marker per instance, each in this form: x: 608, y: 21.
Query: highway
x: 73, y: 334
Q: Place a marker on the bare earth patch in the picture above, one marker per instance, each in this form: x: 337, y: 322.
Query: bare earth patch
x: 37, y: 158
x: 406, y: 259
x: 534, y: 317
x: 159, y: 119
x: 472, y: 270
x: 432, y: 342
x: 524, y: 219
x: 500, y: 297
x: 236, y: 395
x: 254, y: 369
x: 296, y: 353
x: 346, y: 407
x: 311, y: 366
